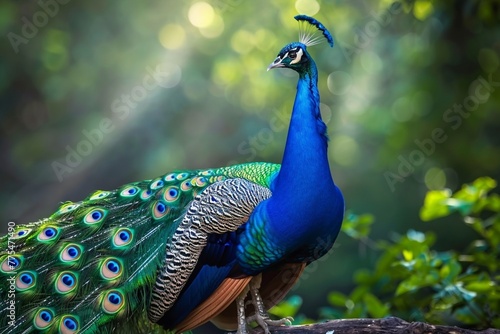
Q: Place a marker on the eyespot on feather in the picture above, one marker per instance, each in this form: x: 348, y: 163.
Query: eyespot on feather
x: 95, y: 216
x: 43, y: 318
x: 22, y: 233
x: 159, y: 209
x: 156, y: 184
x: 71, y: 253
x: 48, y: 233
x: 186, y: 185
x: 111, y: 268
x: 99, y: 195
x: 201, y: 181
x: 69, y: 324
x: 68, y: 207
x: 171, y: 194
x: 10, y: 263
x: 66, y: 282
x: 170, y: 177
x: 182, y: 176
x: 207, y: 172
x: 25, y: 280
x: 112, y: 301
x: 129, y: 191
x: 123, y: 237
x: 146, y: 194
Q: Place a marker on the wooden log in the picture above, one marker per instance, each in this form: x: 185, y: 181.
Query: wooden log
x: 390, y: 325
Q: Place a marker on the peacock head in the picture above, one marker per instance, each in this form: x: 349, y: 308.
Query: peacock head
x: 295, y: 55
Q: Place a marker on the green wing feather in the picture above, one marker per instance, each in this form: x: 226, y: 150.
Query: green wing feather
x: 90, y: 267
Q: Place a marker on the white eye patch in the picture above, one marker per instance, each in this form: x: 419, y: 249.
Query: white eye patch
x: 299, y: 56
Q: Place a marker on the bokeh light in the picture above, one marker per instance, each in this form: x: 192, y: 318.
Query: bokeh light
x: 242, y: 41
x: 201, y: 14
x: 345, y: 150
x: 307, y: 7
x: 214, y: 29
x: 172, y: 36
x: 435, y: 178
x: 339, y: 82
x: 402, y: 109
x: 422, y: 9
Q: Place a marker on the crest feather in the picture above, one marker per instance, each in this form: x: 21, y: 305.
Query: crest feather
x: 307, y: 36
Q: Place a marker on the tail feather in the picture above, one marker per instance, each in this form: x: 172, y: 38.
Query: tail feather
x: 224, y: 296
x: 91, y: 266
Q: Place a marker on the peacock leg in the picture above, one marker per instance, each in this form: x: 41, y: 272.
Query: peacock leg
x: 240, y: 305
x: 261, y: 316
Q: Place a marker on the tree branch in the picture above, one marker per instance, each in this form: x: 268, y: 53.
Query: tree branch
x: 391, y: 325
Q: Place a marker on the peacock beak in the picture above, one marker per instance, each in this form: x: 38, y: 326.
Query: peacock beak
x: 276, y: 63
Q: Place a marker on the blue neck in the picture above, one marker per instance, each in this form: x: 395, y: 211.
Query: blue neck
x: 306, y: 146
x: 304, y: 194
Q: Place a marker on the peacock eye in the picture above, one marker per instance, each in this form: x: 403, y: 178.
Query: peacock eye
x: 292, y: 54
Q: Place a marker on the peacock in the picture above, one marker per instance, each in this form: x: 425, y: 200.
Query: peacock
x: 191, y: 246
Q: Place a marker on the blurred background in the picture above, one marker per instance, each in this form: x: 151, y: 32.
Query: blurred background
x: 95, y: 95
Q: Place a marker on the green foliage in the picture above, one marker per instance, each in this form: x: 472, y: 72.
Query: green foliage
x: 290, y: 308
x: 412, y: 280
x: 357, y: 226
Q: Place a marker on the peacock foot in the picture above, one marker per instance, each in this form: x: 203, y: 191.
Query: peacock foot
x: 261, y: 316
x: 240, y: 306
x: 264, y: 321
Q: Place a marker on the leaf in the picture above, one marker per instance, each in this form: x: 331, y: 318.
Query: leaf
x: 405, y: 286
x: 301, y: 319
x: 482, y: 287
x: 435, y: 204
x: 450, y: 270
x: 466, y: 294
x: 464, y: 207
x: 375, y: 307
x: 288, y: 307
x: 466, y: 315
x: 484, y: 184
x: 357, y: 311
x: 363, y: 276
x: 337, y: 299
x: 407, y: 255
x: 357, y: 294
x: 445, y: 299
x: 494, y: 203
x: 357, y: 226
x: 415, y: 236
x: 479, y: 188
x: 431, y: 278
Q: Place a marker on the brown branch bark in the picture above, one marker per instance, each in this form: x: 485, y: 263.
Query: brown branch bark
x: 391, y: 325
